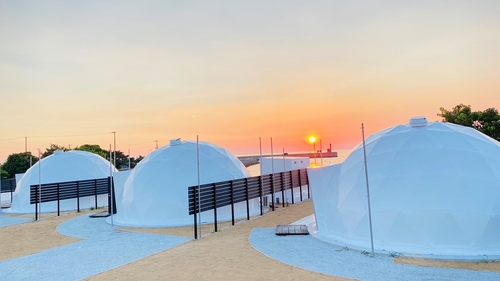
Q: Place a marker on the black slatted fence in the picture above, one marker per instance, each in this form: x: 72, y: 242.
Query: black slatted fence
x: 215, y: 195
x: 50, y: 192
x: 8, y: 186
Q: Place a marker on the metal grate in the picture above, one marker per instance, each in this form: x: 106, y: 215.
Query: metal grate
x: 292, y: 229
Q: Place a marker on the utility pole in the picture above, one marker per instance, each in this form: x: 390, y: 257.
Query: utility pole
x: 199, y: 188
x: 156, y: 144
x: 39, y: 184
x: 25, y: 144
x: 129, y: 159
x: 111, y: 187
x: 367, y: 188
x: 272, y: 172
x: 284, y: 178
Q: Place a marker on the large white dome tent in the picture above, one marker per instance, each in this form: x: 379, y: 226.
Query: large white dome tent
x: 156, y: 191
x: 434, y: 190
x: 61, y: 166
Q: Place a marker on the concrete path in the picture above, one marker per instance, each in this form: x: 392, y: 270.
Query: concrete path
x: 104, y: 248
x: 6, y: 220
x: 312, y: 254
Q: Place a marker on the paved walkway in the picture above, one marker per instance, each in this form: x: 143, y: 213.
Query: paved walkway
x: 312, y: 254
x: 6, y: 220
x: 102, y: 249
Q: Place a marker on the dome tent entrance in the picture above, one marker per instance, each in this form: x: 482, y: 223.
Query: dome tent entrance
x: 434, y: 190
x: 61, y: 166
x: 155, y: 193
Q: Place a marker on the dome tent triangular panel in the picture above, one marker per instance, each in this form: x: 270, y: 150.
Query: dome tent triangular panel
x: 61, y: 166
x: 156, y: 191
x: 437, y: 182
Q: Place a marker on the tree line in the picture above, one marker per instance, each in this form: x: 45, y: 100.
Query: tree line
x: 18, y: 163
x: 486, y: 121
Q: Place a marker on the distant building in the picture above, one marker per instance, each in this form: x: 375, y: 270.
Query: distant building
x: 277, y: 165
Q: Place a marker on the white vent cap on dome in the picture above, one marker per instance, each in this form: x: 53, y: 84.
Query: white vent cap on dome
x: 176, y: 141
x: 58, y: 151
x: 419, y: 121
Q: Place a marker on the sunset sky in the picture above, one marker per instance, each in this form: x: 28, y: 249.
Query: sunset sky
x: 71, y: 72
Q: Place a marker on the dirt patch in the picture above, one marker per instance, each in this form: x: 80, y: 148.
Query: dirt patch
x: 481, y: 265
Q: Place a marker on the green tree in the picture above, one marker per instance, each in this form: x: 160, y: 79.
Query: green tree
x: 487, y: 121
x: 18, y: 163
x: 53, y: 147
x: 94, y: 148
x: 134, y: 161
x: 460, y: 114
x: 121, y: 158
x: 3, y: 174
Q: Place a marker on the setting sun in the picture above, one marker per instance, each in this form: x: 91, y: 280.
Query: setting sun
x: 312, y: 139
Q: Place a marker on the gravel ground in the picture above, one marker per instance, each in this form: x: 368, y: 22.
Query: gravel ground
x: 6, y: 220
x: 312, y: 254
x: 104, y: 248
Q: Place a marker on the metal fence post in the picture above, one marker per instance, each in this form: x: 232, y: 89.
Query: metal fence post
x: 282, y: 188
x: 308, y: 189
x: 109, y: 196
x: 113, y: 196
x: 261, y: 196
x: 300, y: 186
x: 232, y: 201
x: 272, y: 190
x: 58, y: 202
x: 248, y: 203
x: 36, y: 204
x: 291, y: 185
x: 11, y: 191
x: 195, y: 207
x: 77, y: 197
x: 95, y: 193
x: 215, y: 206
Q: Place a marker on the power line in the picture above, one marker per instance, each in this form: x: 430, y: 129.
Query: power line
x: 67, y: 136
x: 131, y: 144
x: 9, y: 147
x: 12, y: 138
x: 62, y: 136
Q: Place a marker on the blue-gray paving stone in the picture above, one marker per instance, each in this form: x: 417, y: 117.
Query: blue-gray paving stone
x: 102, y: 249
x: 312, y: 254
x: 6, y: 220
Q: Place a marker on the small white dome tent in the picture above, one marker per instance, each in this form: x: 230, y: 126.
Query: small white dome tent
x: 156, y: 192
x: 61, y: 166
x: 434, y: 190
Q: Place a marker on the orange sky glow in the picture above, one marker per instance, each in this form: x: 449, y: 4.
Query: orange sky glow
x: 232, y: 72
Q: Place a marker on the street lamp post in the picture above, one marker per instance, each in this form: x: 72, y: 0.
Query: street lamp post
x: 321, y: 152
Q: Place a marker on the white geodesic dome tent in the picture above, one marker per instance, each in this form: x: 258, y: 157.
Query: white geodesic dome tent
x: 434, y: 190
x: 61, y: 166
x: 156, y: 191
